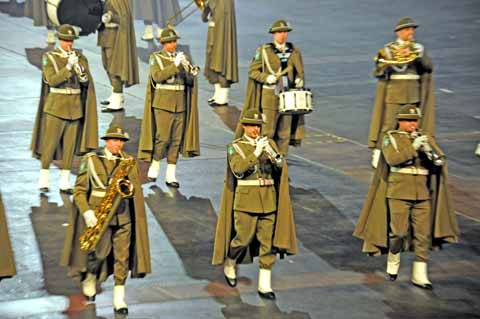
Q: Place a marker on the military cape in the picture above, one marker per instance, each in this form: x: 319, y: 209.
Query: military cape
x: 139, y: 261
x: 87, y: 137
x: 373, y: 223
x: 284, y: 239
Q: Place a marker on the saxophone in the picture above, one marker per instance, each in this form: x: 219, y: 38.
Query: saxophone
x: 119, y: 186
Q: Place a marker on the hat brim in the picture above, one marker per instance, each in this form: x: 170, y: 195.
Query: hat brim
x: 280, y: 29
x: 66, y: 37
x: 408, y: 117
x: 113, y: 135
x: 169, y: 39
x: 406, y: 25
x: 252, y: 122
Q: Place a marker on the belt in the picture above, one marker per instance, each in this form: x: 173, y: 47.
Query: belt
x: 171, y: 87
x: 269, y: 86
x: 98, y: 193
x: 256, y: 182
x: 404, y: 77
x: 111, y: 25
x: 211, y: 23
x: 68, y: 91
x: 409, y: 170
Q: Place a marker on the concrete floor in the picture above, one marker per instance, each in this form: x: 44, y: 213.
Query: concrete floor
x: 330, y: 173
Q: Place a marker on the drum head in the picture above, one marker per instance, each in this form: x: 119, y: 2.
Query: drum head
x: 86, y: 14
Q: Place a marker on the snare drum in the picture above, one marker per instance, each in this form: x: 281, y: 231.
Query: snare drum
x: 295, y: 101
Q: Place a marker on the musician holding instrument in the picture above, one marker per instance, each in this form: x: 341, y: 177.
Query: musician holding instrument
x: 116, y: 37
x: 276, y: 67
x: 255, y: 216
x: 221, y: 58
x: 404, y: 72
x: 107, y: 233
x: 409, y: 205
x: 170, y: 118
x: 66, y: 120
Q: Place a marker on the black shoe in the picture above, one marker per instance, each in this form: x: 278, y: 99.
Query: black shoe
x: 211, y: 100
x: 121, y: 311
x: 68, y: 191
x: 90, y: 299
x: 423, y: 286
x: 391, y: 277
x: 267, y: 295
x: 231, y: 282
x: 173, y: 184
x: 108, y: 110
x: 215, y: 104
x: 151, y: 179
x: 44, y: 189
x: 105, y: 102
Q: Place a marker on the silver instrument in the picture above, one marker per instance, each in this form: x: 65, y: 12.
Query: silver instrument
x: 189, y: 67
x: 78, y: 68
x: 428, y: 150
x: 272, y: 155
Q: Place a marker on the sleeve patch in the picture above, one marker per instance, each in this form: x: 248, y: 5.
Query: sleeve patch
x: 45, y: 60
x: 231, y: 150
x: 257, y: 56
x: 83, y: 166
x: 152, y: 60
x: 386, y: 141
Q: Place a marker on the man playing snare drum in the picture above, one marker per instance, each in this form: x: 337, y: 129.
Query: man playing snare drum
x: 276, y: 67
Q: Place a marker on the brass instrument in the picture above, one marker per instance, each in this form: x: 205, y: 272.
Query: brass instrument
x: 200, y: 5
x: 78, y: 68
x: 400, y: 54
x: 428, y: 150
x: 119, y: 186
x: 189, y: 67
x: 273, y: 156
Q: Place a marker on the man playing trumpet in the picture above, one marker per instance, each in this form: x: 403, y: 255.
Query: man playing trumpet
x: 408, y: 205
x: 170, y: 118
x: 255, y: 216
x: 404, y: 72
x: 124, y: 244
x: 66, y: 121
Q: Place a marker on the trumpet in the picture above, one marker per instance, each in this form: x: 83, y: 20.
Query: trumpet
x: 189, y: 67
x: 78, y: 68
x: 428, y: 150
x: 272, y: 155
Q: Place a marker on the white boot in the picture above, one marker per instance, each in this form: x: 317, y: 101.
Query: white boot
x: 420, y: 276
x: 230, y: 272
x: 477, y: 151
x: 153, y: 170
x: 213, y: 99
x: 375, y: 157
x: 170, y: 176
x: 51, y: 36
x: 148, y: 33
x: 222, y: 97
x: 119, y: 300
x: 43, y: 180
x: 116, y: 101
x: 393, y: 265
x: 89, y: 286
x: 159, y: 32
x: 265, y: 284
x: 65, y: 182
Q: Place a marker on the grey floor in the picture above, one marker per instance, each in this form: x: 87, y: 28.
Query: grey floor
x: 330, y: 173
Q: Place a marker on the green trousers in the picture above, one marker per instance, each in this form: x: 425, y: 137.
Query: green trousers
x: 169, y: 135
x: 115, y: 81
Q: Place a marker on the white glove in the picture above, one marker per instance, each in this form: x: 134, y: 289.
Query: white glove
x: 72, y: 60
x: 271, y: 79
x: 419, y: 141
x: 298, y: 83
x: 261, y: 144
x: 90, y: 219
x: 179, y: 58
x: 107, y: 17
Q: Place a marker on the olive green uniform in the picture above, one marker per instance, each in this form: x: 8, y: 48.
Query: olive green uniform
x: 169, y: 104
x: 106, y: 40
x: 403, y: 82
x: 96, y: 170
x: 255, y: 202
x: 63, y: 107
x: 271, y: 60
x: 408, y: 194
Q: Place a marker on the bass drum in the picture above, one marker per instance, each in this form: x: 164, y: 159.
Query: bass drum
x: 84, y: 14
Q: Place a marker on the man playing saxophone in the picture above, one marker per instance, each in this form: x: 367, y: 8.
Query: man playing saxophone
x: 404, y: 72
x: 66, y: 121
x: 170, y: 118
x: 124, y: 244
